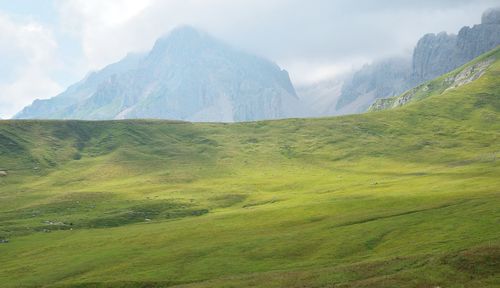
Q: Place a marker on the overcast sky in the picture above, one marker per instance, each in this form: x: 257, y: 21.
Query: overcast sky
x: 47, y: 45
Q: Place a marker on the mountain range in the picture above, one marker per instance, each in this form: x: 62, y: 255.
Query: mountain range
x: 434, y: 55
x: 192, y: 76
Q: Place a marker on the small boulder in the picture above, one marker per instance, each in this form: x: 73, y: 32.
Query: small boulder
x: 3, y: 173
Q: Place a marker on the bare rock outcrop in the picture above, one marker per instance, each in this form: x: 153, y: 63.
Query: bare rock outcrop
x: 437, y: 54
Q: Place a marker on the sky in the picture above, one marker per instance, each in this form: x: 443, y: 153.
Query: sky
x: 45, y: 46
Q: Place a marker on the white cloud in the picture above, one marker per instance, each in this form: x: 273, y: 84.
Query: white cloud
x: 101, y: 27
x: 286, y: 31
x: 308, y: 72
x: 28, y: 57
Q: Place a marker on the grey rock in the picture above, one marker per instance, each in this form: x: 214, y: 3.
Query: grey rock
x: 397, y: 101
x: 438, y: 54
x: 378, y: 80
x: 468, y: 74
x: 491, y: 16
x: 3, y: 173
x: 433, y: 56
x: 188, y: 75
x: 63, y: 104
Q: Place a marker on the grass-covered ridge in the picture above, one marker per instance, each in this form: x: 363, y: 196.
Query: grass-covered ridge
x: 401, y: 198
x: 461, y: 76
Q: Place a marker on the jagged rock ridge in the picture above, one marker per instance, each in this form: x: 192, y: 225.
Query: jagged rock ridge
x: 434, y: 55
x: 439, y: 54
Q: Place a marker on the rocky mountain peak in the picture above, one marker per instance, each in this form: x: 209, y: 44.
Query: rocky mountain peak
x: 491, y: 16
x: 183, y: 40
x: 434, y: 55
x: 188, y: 75
x: 183, y: 35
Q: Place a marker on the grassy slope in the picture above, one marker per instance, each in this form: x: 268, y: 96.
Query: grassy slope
x: 401, y: 198
x: 439, y: 85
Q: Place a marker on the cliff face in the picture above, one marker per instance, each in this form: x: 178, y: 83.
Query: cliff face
x: 433, y: 56
x: 377, y: 80
x: 476, y: 40
x: 188, y: 75
x: 438, y: 54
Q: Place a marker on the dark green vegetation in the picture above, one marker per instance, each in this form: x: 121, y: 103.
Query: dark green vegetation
x: 401, y: 198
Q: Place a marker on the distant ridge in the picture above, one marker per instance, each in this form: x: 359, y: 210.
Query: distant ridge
x: 434, y: 55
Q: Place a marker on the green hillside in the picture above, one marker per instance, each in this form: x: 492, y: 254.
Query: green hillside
x: 400, y: 198
x: 461, y: 76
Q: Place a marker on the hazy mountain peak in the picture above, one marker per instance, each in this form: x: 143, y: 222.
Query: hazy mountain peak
x: 491, y: 16
x: 186, y: 31
x: 182, y: 36
x: 187, y: 75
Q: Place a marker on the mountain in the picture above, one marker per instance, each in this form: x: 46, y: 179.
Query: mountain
x: 439, y: 54
x: 380, y: 79
x: 406, y: 197
x: 434, y: 55
x: 188, y: 75
x: 447, y: 83
x: 65, y: 103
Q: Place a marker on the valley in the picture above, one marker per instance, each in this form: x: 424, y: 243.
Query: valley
x: 404, y: 197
